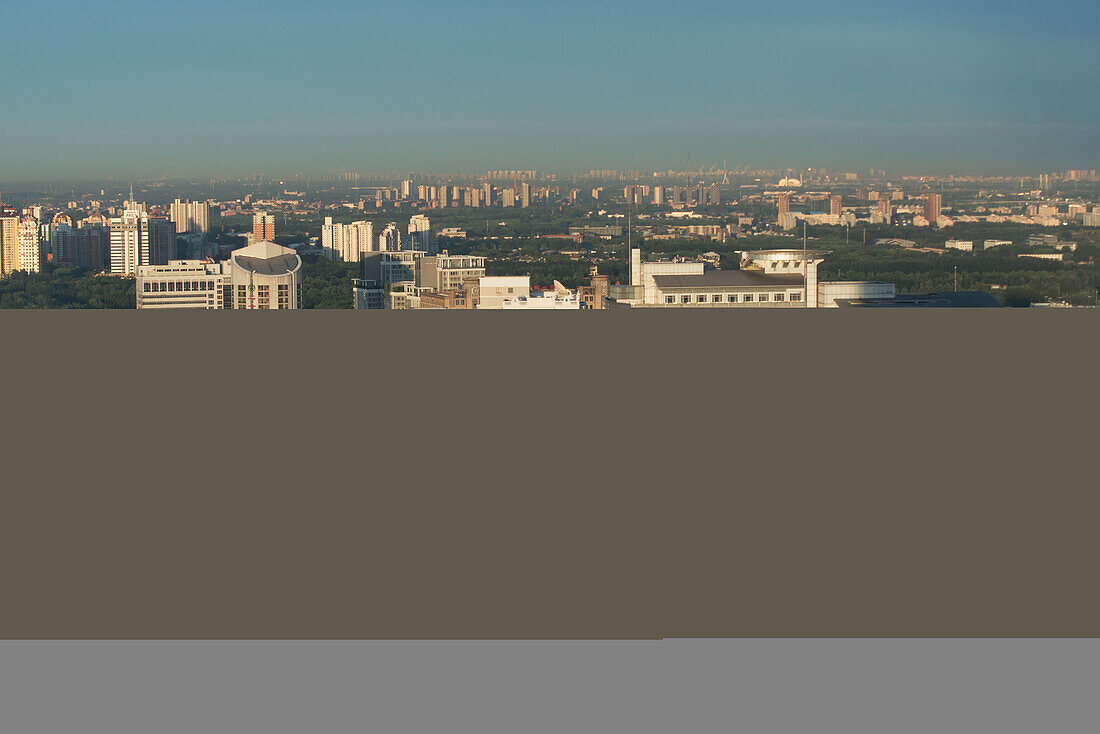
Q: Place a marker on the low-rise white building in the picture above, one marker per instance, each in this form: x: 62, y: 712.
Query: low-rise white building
x: 642, y: 273
x: 962, y: 245
x: 560, y: 299
x: 766, y: 279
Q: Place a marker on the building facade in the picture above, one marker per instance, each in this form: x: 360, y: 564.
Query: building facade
x: 31, y: 256
x: 265, y: 276
x: 140, y: 239
x: 347, y: 242
x: 9, y: 244
x: 390, y: 239
x: 493, y: 291
x: 448, y: 272
x: 263, y: 227
x: 190, y: 216
x: 933, y: 208
x: 196, y: 284
x: 766, y: 279
x: 420, y: 232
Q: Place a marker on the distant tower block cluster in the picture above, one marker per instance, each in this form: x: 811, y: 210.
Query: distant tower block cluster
x: 190, y: 216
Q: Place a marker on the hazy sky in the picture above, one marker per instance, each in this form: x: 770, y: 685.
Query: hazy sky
x: 222, y: 87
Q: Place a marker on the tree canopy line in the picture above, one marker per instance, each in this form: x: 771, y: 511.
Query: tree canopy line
x: 66, y: 288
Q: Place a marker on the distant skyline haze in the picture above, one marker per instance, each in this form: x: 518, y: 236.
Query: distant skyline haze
x: 199, y: 88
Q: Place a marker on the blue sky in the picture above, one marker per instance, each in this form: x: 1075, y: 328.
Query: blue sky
x: 203, y: 88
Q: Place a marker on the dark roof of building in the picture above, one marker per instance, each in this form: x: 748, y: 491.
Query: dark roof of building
x: 956, y: 299
x: 713, y: 279
x: 279, y: 265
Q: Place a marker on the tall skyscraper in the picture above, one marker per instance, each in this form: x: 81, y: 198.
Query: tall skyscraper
x: 933, y: 208
x: 524, y: 195
x: 140, y: 239
x: 786, y: 219
x: 390, y: 239
x: 29, y: 259
x: 420, y: 232
x: 836, y: 205
x: 9, y: 244
x: 91, y: 244
x: 62, y: 240
x: 263, y: 227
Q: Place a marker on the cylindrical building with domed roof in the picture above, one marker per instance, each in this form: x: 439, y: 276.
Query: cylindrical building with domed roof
x: 265, y: 276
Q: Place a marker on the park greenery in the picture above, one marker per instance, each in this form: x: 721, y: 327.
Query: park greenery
x: 327, y: 284
x: 66, y: 288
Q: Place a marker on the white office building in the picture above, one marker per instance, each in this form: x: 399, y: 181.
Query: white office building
x: 200, y: 284
x: 260, y: 276
x: 138, y: 239
x: 766, y: 279
x: 30, y: 256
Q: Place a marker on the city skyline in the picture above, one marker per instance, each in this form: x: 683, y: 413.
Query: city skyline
x: 205, y: 89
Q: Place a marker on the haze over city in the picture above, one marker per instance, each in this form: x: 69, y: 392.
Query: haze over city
x: 121, y: 89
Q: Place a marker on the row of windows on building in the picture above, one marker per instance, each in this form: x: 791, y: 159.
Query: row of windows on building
x: 261, y: 296
x: 734, y: 298
x: 172, y: 286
